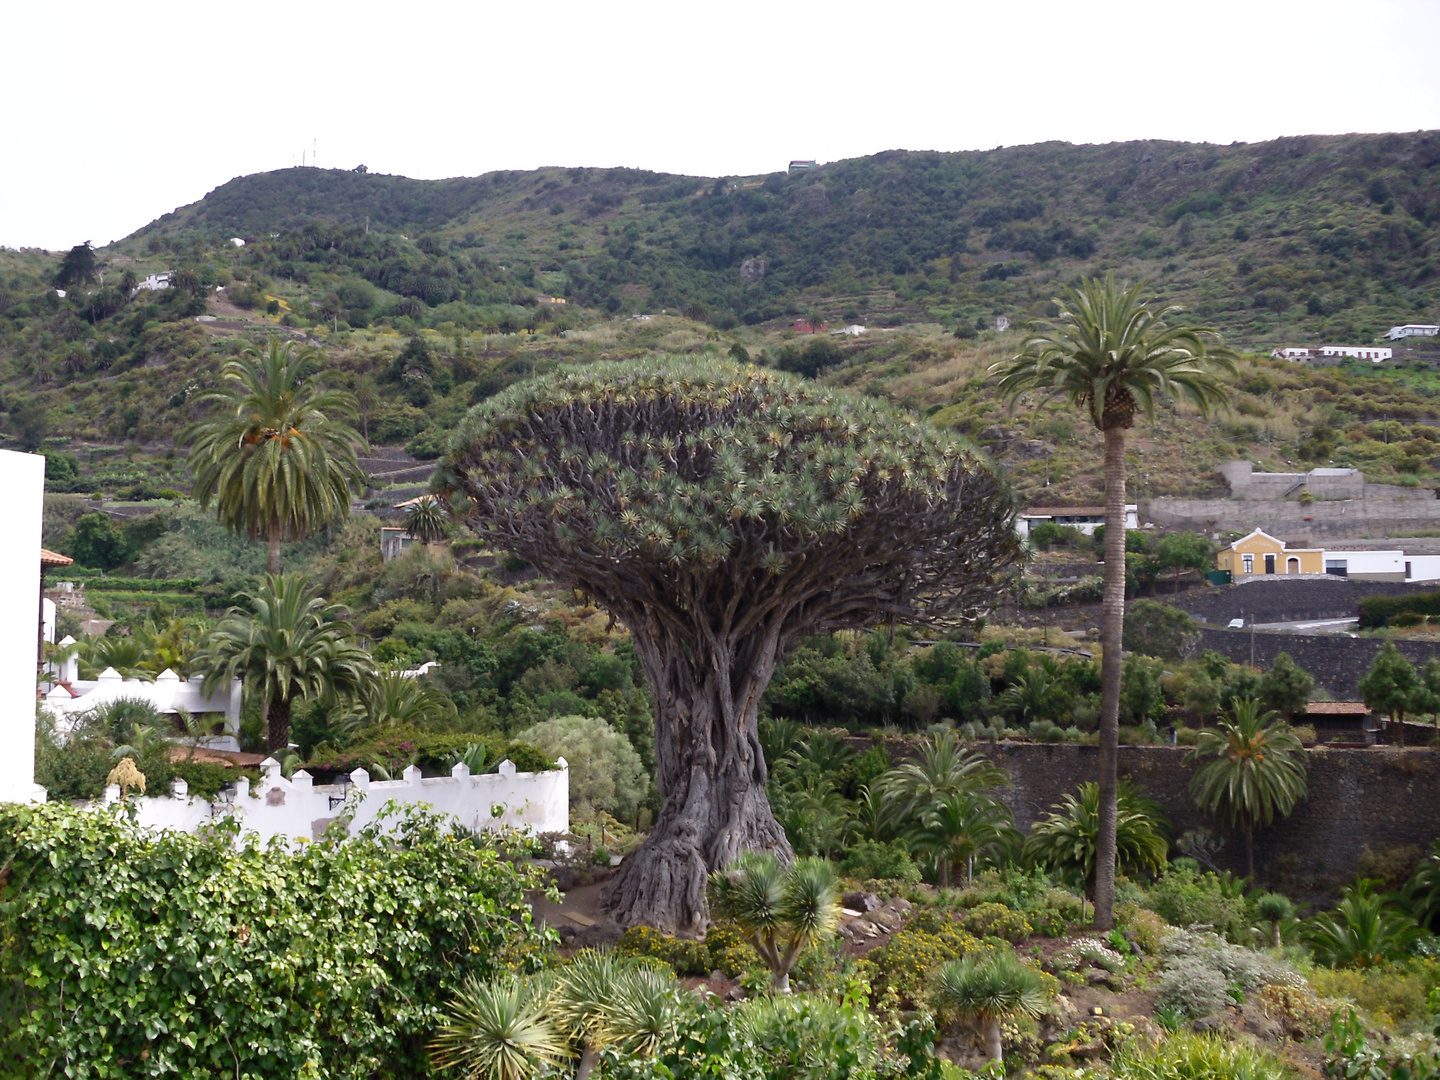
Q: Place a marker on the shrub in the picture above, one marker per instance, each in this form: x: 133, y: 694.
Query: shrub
x: 1185, y: 897
x: 605, y: 771
x: 1145, y: 927
x: 871, y: 859
x: 124, y: 946
x: 1186, y: 1056
x: 997, y: 920
x: 1390, y: 993
x: 1297, y: 1009
x: 901, y: 967
x: 1192, y: 988
x: 725, y: 949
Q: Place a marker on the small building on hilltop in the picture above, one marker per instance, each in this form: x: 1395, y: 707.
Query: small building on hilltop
x: 1409, y: 330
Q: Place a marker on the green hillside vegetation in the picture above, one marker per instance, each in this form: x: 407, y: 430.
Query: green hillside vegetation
x: 435, y: 304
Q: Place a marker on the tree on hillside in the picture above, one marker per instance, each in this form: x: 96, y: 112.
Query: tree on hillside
x: 78, y: 267
x: 285, y: 644
x: 1181, y: 551
x: 1157, y: 629
x: 723, y: 512
x: 1113, y: 355
x: 1390, y: 687
x: 1252, y: 770
x: 278, y: 459
x: 1286, y: 687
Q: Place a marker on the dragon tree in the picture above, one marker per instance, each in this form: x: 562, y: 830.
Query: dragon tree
x: 721, y: 511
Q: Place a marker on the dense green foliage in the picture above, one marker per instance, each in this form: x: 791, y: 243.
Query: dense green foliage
x: 168, y: 954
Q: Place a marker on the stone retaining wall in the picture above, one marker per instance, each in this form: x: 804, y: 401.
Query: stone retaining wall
x: 1337, y: 661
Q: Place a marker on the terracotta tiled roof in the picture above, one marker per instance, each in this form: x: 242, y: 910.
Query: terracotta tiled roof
x: 1337, y: 708
x: 54, y: 558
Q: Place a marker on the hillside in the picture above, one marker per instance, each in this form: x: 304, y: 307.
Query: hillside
x: 1317, y: 236
x: 438, y: 302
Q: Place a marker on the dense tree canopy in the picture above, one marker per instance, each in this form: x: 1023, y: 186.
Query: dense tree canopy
x: 722, y: 511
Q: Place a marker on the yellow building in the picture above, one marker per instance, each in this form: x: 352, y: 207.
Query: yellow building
x: 1261, y: 553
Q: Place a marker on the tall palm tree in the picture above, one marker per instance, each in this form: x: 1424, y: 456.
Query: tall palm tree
x: 1254, y: 769
x: 1114, y: 355
x: 286, y: 643
x: 780, y: 908
x: 991, y: 989
x: 1068, y: 839
x: 278, y: 459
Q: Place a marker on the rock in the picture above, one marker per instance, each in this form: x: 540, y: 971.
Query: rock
x: 1210, y: 1023
x: 861, y: 902
x: 717, y: 976
x: 1147, y: 1031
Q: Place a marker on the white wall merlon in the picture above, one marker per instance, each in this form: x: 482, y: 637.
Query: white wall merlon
x: 297, y: 808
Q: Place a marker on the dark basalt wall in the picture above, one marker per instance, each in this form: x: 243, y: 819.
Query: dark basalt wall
x: 1377, y: 798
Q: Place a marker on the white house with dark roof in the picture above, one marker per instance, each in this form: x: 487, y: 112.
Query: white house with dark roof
x: 1085, y: 518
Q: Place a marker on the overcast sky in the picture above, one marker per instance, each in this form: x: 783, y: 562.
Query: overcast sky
x: 112, y: 114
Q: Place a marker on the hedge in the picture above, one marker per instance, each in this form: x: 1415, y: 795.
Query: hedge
x: 1376, y: 611
x: 131, y: 953
x: 435, y: 753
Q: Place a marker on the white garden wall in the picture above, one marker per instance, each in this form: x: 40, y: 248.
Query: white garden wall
x: 297, y: 808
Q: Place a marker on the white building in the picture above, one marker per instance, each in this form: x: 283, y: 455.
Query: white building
x: 1366, y: 565
x: 1396, y: 333
x: 22, y: 479
x: 1373, y: 353
x: 1085, y: 518
x: 235, y: 241
x: 155, y: 282
x: 1295, y: 354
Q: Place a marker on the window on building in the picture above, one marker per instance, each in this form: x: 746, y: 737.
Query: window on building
x: 1249, y: 561
x: 1338, y: 567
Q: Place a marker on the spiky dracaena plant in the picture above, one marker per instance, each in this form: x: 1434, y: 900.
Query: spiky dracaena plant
x: 278, y: 458
x: 1112, y: 354
x: 721, y: 512
x: 498, y: 1031
x: 781, y: 908
x: 990, y: 989
x: 1252, y: 769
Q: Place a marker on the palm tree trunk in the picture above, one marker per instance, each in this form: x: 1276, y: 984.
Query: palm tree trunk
x: 945, y: 871
x: 277, y: 722
x: 994, y: 1050
x: 272, y: 565
x: 1275, y: 941
x: 1112, y: 628
x: 1249, y: 851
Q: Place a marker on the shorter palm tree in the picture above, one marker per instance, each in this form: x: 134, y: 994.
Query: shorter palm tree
x: 285, y: 644
x: 1364, y: 929
x: 1254, y: 772
x: 781, y: 909
x: 391, y: 698
x: 989, y: 990
x: 942, y: 767
x: 427, y: 520
x: 962, y: 827
x: 1068, y: 838
x: 498, y: 1031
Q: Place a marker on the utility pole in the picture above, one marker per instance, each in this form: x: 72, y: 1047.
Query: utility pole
x: 1252, y: 639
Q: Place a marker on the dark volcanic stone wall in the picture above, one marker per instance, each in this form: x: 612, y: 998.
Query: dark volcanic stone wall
x: 1376, y: 798
x: 1337, y: 661
x: 1326, y: 597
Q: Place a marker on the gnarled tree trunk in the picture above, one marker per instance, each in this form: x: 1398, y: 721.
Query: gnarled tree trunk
x: 1112, y: 629
x: 710, y: 771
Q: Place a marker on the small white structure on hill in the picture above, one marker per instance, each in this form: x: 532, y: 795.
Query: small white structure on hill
x: 1373, y: 353
x: 1396, y: 333
x: 1085, y: 518
x: 154, y: 282
x: 22, y: 478
x: 1292, y: 353
x: 235, y: 241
